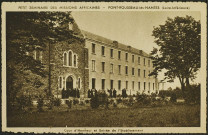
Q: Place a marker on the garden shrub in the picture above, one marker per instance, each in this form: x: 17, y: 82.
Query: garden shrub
x: 50, y: 103
x: 57, y: 101
x: 40, y: 104
x: 69, y: 103
x: 94, y: 102
x: 75, y: 101
x: 192, y: 94
x: 24, y: 102
x: 87, y: 101
x: 119, y: 100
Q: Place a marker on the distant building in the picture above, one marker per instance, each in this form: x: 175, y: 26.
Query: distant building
x: 88, y: 61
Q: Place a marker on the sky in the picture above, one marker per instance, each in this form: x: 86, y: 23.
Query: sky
x: 130, y: 28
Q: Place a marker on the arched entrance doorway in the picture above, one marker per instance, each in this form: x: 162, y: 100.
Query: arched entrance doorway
x: 69, y: 83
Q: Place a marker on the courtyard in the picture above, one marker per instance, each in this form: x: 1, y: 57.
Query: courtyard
x: 83, y: 116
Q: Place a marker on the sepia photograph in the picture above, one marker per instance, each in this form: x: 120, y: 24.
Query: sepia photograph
x: 74, y: 69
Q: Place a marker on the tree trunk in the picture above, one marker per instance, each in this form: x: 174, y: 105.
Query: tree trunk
x: 187, y: 82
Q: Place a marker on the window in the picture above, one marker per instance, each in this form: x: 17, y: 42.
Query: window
x: 93, y: 83
x: 103, y: 84
x: 149, y: 85
x: 60, y: 82
x: 65, y: 59
x: 144, y: 62
x: 93, y: 65
x: 126, y: 70
x: 119, y: 84
x: 144, y: 85
x: 75, y: 60
x: 93, y: 48
x: 126, y: 84
x: 70, y: 58
x: 132, y: 58
x: 144, y: 73
x: 103, y: 66
x: 79, y: 85
x: 138, y: 85
x: 132, y: 85
x: 132, y: 71
x: 148, y: 63
x: 103, y: 50
x: 139, y: 72
x: 63, y: 82
x: 111, y: 68
x: 153, y: 86
x: 138, y: 60
x: 111, y: 53
x: 149, y: 73
x: 111, y: 84
x: 119, y: 69
x: 119, y: 55
x: 126, y: 56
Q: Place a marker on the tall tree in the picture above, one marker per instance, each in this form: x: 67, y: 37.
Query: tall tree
x: 26, y: 32
x: 178, y: 51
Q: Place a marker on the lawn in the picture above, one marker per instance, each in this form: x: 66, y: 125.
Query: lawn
x: 165, y: 116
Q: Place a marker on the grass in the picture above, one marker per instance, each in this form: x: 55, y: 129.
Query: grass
x: 165, y: 116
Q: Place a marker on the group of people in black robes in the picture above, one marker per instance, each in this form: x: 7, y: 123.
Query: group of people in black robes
x: 112, y: 93
x: 124, y: 95
x: 70, y: 93
x: 92, y: 93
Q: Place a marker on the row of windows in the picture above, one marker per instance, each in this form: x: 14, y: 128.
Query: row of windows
x: 119, y: 69
x: 70, y: 59
x: 119, y: 55
x: 120, y: 86
x: 36, y: 54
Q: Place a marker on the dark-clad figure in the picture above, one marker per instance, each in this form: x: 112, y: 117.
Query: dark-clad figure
x: 114, y: 93
x: 111, y: 93
x: 89, y: 93
x: 77, y: 93
x: 95, y: 93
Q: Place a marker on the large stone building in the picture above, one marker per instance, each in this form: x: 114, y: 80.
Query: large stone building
x: 88, y: 61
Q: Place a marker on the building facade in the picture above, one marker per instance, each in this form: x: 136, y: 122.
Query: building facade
x: 88, y: 61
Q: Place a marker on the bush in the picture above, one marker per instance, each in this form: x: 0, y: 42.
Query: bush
x: 119, y: 100
x: 75, y: 101
x: 94, y: 102
x: 40, y: 104
x: 57, y: 101
x: 69, y: 103
x: 87, y: 101
x: 192, y: 94
x: 50, y: 103
x: 24, y: 102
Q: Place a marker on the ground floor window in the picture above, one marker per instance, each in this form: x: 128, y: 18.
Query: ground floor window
x: 138, y: 85
x: 144, y: 85
x: 132, y: 85
x: 126, y: 84
x: 60, y: 82
x: 111, y: 84
x: 119, y: 84
x: 103, y: 84
x: 93, y: 83
x: 153, y: 86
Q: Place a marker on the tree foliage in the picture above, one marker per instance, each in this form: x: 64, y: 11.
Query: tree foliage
x: 26, y: 32
x: 178, y: 51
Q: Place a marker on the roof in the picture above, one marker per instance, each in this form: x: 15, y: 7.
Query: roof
x: 113, y: 43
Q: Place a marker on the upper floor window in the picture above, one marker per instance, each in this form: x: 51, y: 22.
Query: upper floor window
x: 111, y: 53
x: 111, y: 68
x: 138, y: 60
x: 153, y: 86
x: 148, y: 63
x: 132, y: 58
x: 144, y: 73
x: 119, y: 69
x: 139, y: 72
x: 103, y: 50
x: 93, y: 65
x: 65, y: 59
x: 126, y: 56
x: 126, y: 70
x: 103, y: 66
x: 70, y: 58
x: 75, y: 60
x: 144, y: 62
x: 132, y: 71
x: 93, y: 48
x: 119, y: 55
